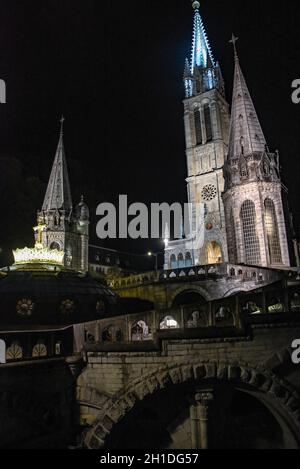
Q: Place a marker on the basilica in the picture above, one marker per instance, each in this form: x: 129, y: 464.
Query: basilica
x: 232, y: 173
x: 94, y: 348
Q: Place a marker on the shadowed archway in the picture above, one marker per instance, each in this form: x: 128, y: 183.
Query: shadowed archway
x: 188, y: 297
x: 278, y: 401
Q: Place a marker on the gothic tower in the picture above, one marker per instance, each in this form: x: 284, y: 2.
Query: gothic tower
x: 207, y: 118
x: 256, y: 227
x: 67, y: 229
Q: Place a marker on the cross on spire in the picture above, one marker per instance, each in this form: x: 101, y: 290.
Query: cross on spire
x: 233, y: 41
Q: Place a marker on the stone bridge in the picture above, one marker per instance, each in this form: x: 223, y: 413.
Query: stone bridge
x: 169, y: 288
x: 214, y: 375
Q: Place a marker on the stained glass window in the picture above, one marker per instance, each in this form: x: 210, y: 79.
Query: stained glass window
x: 272, y: 232
x: 251, y: 241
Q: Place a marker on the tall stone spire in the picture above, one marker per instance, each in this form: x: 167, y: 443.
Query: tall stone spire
x: 254, y: 212
x: 246, y: 135
x: 201, y: 52
x: 58, y: 195
x: 201, y: 74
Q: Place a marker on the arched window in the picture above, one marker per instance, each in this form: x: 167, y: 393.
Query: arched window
x: 112, y: 334
x: 2, y: 352
x: 188, y: 260
x: 54, y: 246
x: 213, y: 253
x: 169, y: 323
x: 232, y: 244
x: 39, y: 350
x: 173, y: 261
x: 251, y: 241
x: 272, y: 232
x: 208, y: 123
x: 224, y: 317
x: 140, y: 332
x: 198, y: 127
x: 197, y: 319
x: 14, y: 352
x: 181, y: 263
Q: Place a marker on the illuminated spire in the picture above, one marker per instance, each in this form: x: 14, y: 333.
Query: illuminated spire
x: 187, y: 69
x: 58, y: 195
x: 246, y: 135
x: 201, y: 51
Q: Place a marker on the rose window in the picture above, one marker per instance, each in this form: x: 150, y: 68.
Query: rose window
x: 209, y: 192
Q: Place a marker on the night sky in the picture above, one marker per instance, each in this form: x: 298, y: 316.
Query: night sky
x: 114, y: 69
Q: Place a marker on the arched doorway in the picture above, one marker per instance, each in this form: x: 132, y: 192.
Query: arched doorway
x: 213, y: 253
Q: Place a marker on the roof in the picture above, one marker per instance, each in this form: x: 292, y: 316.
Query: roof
x: 44, y: 295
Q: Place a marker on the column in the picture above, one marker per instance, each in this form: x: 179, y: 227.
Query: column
x: 200, y: 419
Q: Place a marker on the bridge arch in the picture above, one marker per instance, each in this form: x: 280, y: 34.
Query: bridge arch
x: 279, y: 397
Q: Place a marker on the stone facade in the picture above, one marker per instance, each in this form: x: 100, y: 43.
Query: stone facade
x: 206, y: 118
x: 114, y: 383
x: 255, y: 218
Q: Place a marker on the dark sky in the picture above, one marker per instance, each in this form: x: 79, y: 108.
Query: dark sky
x: 115, y: 70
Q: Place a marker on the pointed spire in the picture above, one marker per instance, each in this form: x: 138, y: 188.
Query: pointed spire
x: 246, y: 135
x: 201, y: 52
x: 187, y: 69
x: 58, y: 194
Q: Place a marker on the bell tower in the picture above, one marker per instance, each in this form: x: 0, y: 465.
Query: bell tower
x: 66, y: 229
x: 206, y: 120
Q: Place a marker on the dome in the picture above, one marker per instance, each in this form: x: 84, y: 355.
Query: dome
x: 47, y: 295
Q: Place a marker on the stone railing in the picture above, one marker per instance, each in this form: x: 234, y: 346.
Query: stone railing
x: 240, y: 273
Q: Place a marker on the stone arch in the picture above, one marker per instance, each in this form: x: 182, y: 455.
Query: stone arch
x: 55, y: 245
x: 235, y: 291
x: 194, y: 288
x: 282, y: 398
x: 187, y: 297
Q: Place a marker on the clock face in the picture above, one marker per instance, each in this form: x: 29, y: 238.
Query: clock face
x: 209, y: 193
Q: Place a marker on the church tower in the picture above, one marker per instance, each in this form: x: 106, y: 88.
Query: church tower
x: 255, y: 220
x: 67, y: 229
x: 206, y: 118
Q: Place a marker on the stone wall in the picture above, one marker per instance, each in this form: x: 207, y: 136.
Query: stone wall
x: 113, y: 382
x: 36, y: 401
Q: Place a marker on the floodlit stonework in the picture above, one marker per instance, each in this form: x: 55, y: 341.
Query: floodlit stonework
x: 67, y: 227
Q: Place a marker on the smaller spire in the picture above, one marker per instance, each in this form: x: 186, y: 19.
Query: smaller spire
x: 233, y: 41
x: 187, y: 69
x: 62, y: 120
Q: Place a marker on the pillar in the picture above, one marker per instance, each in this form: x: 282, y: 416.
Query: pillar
x: 200, y: 419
